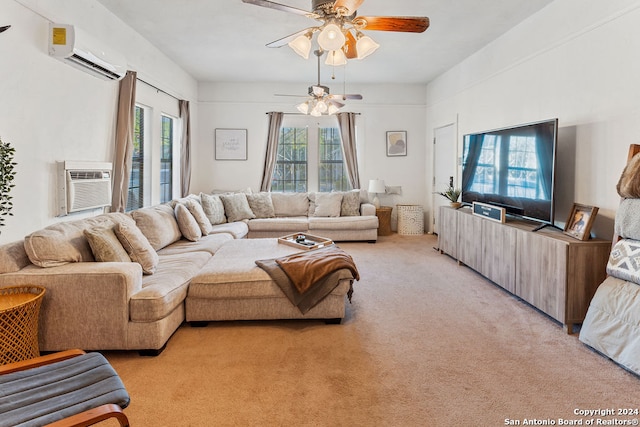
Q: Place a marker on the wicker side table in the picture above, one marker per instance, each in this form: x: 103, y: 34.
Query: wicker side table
x: 19, y: 309
x: 410, y: 220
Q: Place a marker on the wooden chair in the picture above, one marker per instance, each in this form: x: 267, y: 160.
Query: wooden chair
x: 64, y: 389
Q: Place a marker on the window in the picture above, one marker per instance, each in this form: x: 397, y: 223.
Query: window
x: 166, y: 160
x: 290, y: 173
x: 309, y: 156
x: 136, y: 179
x: 155, y: 171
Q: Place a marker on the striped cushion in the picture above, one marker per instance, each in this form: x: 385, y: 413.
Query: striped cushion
x: 50, y: 393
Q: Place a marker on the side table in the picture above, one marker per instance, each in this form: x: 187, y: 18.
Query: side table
x: 384, y: 220
x: 19, y: 309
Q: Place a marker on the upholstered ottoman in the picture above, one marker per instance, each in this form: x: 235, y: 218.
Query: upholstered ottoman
x: 232, y: 287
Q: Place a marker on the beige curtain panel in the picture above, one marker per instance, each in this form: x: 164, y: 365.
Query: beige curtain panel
x: 347, y: 124
x: 124, y: 142
x: 185, y: 149
x: 275, y: 121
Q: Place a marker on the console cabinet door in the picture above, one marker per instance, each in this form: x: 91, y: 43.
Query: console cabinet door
x: 470, y: 240
x: 499, y: 254
x: 541, y: 278
x: 448, y: 231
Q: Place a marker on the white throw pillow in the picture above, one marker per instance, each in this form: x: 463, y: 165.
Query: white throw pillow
x: 328, y: 204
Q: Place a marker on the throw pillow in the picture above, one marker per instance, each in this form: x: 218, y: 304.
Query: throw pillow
x: 624, y: 260
x: 137, y: 246
x: 105, y: 245
x: 197, y: 211
x: 350, y: 203
x: 187, y: 223
x: 158, y: 224
x: 629, y: 182
x: 213, y: 208
x: 261, y: 205
x: 328, y: 204
x: 236, y: 207
x: 290, y: 204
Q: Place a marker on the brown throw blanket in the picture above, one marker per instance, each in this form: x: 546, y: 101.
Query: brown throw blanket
x: 307, y: 277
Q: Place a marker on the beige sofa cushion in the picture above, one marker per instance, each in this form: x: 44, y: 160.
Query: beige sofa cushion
x: 213, y: 208
x: 350, y: 203
x: 62, y: 243
x: 187, y: 223
x: 236, y: 207
x: 261, y: 204
x: 199, y: 215
x: 137, y: 246
x: 13, y: 257
x: 326, y: 204
x: 290, y: 204
x: 158, y: 223
x: 105, y: 245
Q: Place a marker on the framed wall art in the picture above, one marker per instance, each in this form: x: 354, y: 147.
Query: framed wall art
x: 396, y: 143
x: 231, y: 144
x: 580, y: 221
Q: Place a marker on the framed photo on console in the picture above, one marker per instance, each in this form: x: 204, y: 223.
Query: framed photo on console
x: 580, y: 220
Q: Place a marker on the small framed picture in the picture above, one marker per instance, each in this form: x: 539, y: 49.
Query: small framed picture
x: 396, y: 143
x: 580, y: 221
x: 231, y: 144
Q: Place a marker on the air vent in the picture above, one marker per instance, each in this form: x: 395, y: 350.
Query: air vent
x: 83, y: 186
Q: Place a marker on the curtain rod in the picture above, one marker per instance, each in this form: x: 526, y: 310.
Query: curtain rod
x: 158, y: 89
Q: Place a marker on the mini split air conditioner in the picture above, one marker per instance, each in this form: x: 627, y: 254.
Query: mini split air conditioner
x: 80, y: 50
x: 83, y: 186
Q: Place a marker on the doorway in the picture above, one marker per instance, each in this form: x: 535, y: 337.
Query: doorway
x: 444, y: 167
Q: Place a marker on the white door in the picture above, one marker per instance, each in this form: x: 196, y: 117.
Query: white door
x: 444, y: 166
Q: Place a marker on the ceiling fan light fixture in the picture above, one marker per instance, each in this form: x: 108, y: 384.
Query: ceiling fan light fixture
x: 332, y: 109
x: 301, y: 45
x: 365, y: 46
x: 303, y: 108
x: 331, y: 37
x: 336, y: 58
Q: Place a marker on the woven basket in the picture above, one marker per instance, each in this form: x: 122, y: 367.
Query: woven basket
x: 19, y: 309
x: 410, y: 220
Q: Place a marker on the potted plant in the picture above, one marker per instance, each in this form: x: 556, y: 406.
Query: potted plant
x: 452, y: 194
x: 7, y: 175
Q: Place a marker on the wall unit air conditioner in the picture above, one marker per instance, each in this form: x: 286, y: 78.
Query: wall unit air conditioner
x: 83, y: 186
x: 80, y: 50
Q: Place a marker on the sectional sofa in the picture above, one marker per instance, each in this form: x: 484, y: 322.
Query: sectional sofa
x: 119, y: 281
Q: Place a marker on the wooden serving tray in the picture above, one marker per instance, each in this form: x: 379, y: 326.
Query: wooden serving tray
x: 310, y: 242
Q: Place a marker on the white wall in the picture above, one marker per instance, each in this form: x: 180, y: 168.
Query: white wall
x: 51, y: 111
x: 244, y: 106
x: 576, y: 60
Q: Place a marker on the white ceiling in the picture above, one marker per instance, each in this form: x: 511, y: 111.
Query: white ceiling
x: 224, y: 40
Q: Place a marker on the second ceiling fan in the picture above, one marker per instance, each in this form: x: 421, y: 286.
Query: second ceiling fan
x: 340, y: 31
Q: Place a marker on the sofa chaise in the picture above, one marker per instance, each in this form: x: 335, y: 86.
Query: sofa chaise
x: 119, y: 281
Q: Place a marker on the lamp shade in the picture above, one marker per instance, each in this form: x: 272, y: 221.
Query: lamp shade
x: 336, y: 58
x: 301, y: 45
x: 331, y: 38
x: 365, y: 46
x: 376, y: 186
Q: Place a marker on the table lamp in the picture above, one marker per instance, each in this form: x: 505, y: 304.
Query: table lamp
x: 376, y: 186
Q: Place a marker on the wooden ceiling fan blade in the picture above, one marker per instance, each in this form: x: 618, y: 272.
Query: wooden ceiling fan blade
x: 349, y: 6
x: 350, y: 46
x: 282, y: 7
x: 405, y: 24
x: 283, y: 41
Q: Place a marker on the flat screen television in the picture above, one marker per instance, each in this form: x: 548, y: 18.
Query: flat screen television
x: 512, y: 168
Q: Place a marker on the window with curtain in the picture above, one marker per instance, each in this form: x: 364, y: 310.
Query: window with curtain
x: 166, y: 159
x: 309, y: 156
x: 135, y: 196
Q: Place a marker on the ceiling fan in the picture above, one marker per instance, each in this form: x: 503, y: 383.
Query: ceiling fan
x: 320, y: 99
x: 340, y: 31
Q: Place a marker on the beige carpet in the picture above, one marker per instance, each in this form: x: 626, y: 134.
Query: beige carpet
x: 426, y: 342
